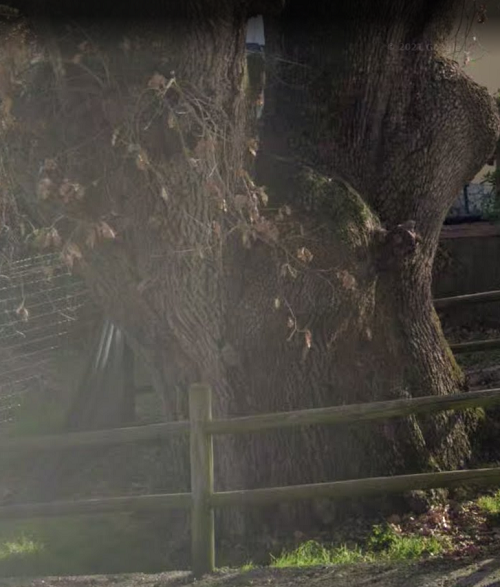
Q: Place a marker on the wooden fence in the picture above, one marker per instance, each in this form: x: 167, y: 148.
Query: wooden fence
x: 483, y: 297
x: 202, y: 499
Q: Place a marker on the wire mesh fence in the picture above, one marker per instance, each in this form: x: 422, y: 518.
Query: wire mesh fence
x: 45, y: 311
x: 476, y: 199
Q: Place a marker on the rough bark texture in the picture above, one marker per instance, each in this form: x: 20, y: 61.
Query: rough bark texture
x: 363, y: 95
x: 148, y: 135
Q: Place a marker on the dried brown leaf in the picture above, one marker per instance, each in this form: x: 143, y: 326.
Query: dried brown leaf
x: 264, y: 198
x: 86, y: 47
x: 157, y: 82
x: 45, y: 188
x: 71, y: 191
x: 171, y: 120
x: 105, y: 231
x: 254, y: 216
x: 22, y: 312
x: 141, y: 161
x: 347, y: 279
x: 253, y: 146
x: 55, y: 237
x: 305, y: 255
x: 49, y: 165
x: 72, y: 252
x: 45, y: 238
x: 267, y: 229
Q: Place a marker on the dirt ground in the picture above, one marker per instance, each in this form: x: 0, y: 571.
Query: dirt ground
x: 435, y: 573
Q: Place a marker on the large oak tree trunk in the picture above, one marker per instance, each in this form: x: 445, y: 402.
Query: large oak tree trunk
x: 361, y: 94
x: 321, y: 298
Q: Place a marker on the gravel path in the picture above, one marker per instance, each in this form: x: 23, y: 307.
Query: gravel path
x: 483, y: 573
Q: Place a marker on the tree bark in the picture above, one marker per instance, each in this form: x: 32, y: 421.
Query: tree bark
x: 363, y: 96
x: 321, y: 298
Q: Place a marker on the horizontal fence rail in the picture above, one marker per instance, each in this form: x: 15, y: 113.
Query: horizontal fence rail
x: 106, y: 505
x: 358, y: 487
x: 240, y: 425
x: 94, y: 438
x: 336, y: 489
x: 355, y: 412
x: 482, y: 297
x: 475, y: 346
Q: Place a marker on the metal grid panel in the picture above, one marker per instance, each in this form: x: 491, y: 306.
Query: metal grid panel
x: 43, y: 311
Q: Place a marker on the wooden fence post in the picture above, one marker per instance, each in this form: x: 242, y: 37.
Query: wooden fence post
x: 202, y: 481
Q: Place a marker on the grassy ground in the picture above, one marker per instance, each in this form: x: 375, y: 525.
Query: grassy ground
x: 81, y: 545
x: 121, y: 543
x: 435, y: 573
x: 453, y: 530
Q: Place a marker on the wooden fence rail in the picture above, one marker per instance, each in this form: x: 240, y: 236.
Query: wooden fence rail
x: 258, y: 423
x: 355, y: 412
x: 475, y: 346
x: 109, y: 437
x: 202, y: 499
x: 358, y: 487
x: 482, y: 297
x: 102, y: 505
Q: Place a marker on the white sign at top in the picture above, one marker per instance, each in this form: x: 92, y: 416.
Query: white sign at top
x: 255, y: 31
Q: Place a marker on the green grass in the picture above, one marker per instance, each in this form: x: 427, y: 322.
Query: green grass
x: 384, y: 544
x: 23, y: 546
x: 109, y: 543
x: 19, y: 555
x: 490, y: 503
x: 312, y: 553
x: 391, y: 545
x: 414, y: 547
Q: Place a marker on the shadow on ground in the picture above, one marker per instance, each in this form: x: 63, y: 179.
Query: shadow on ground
x: 436, y: 573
